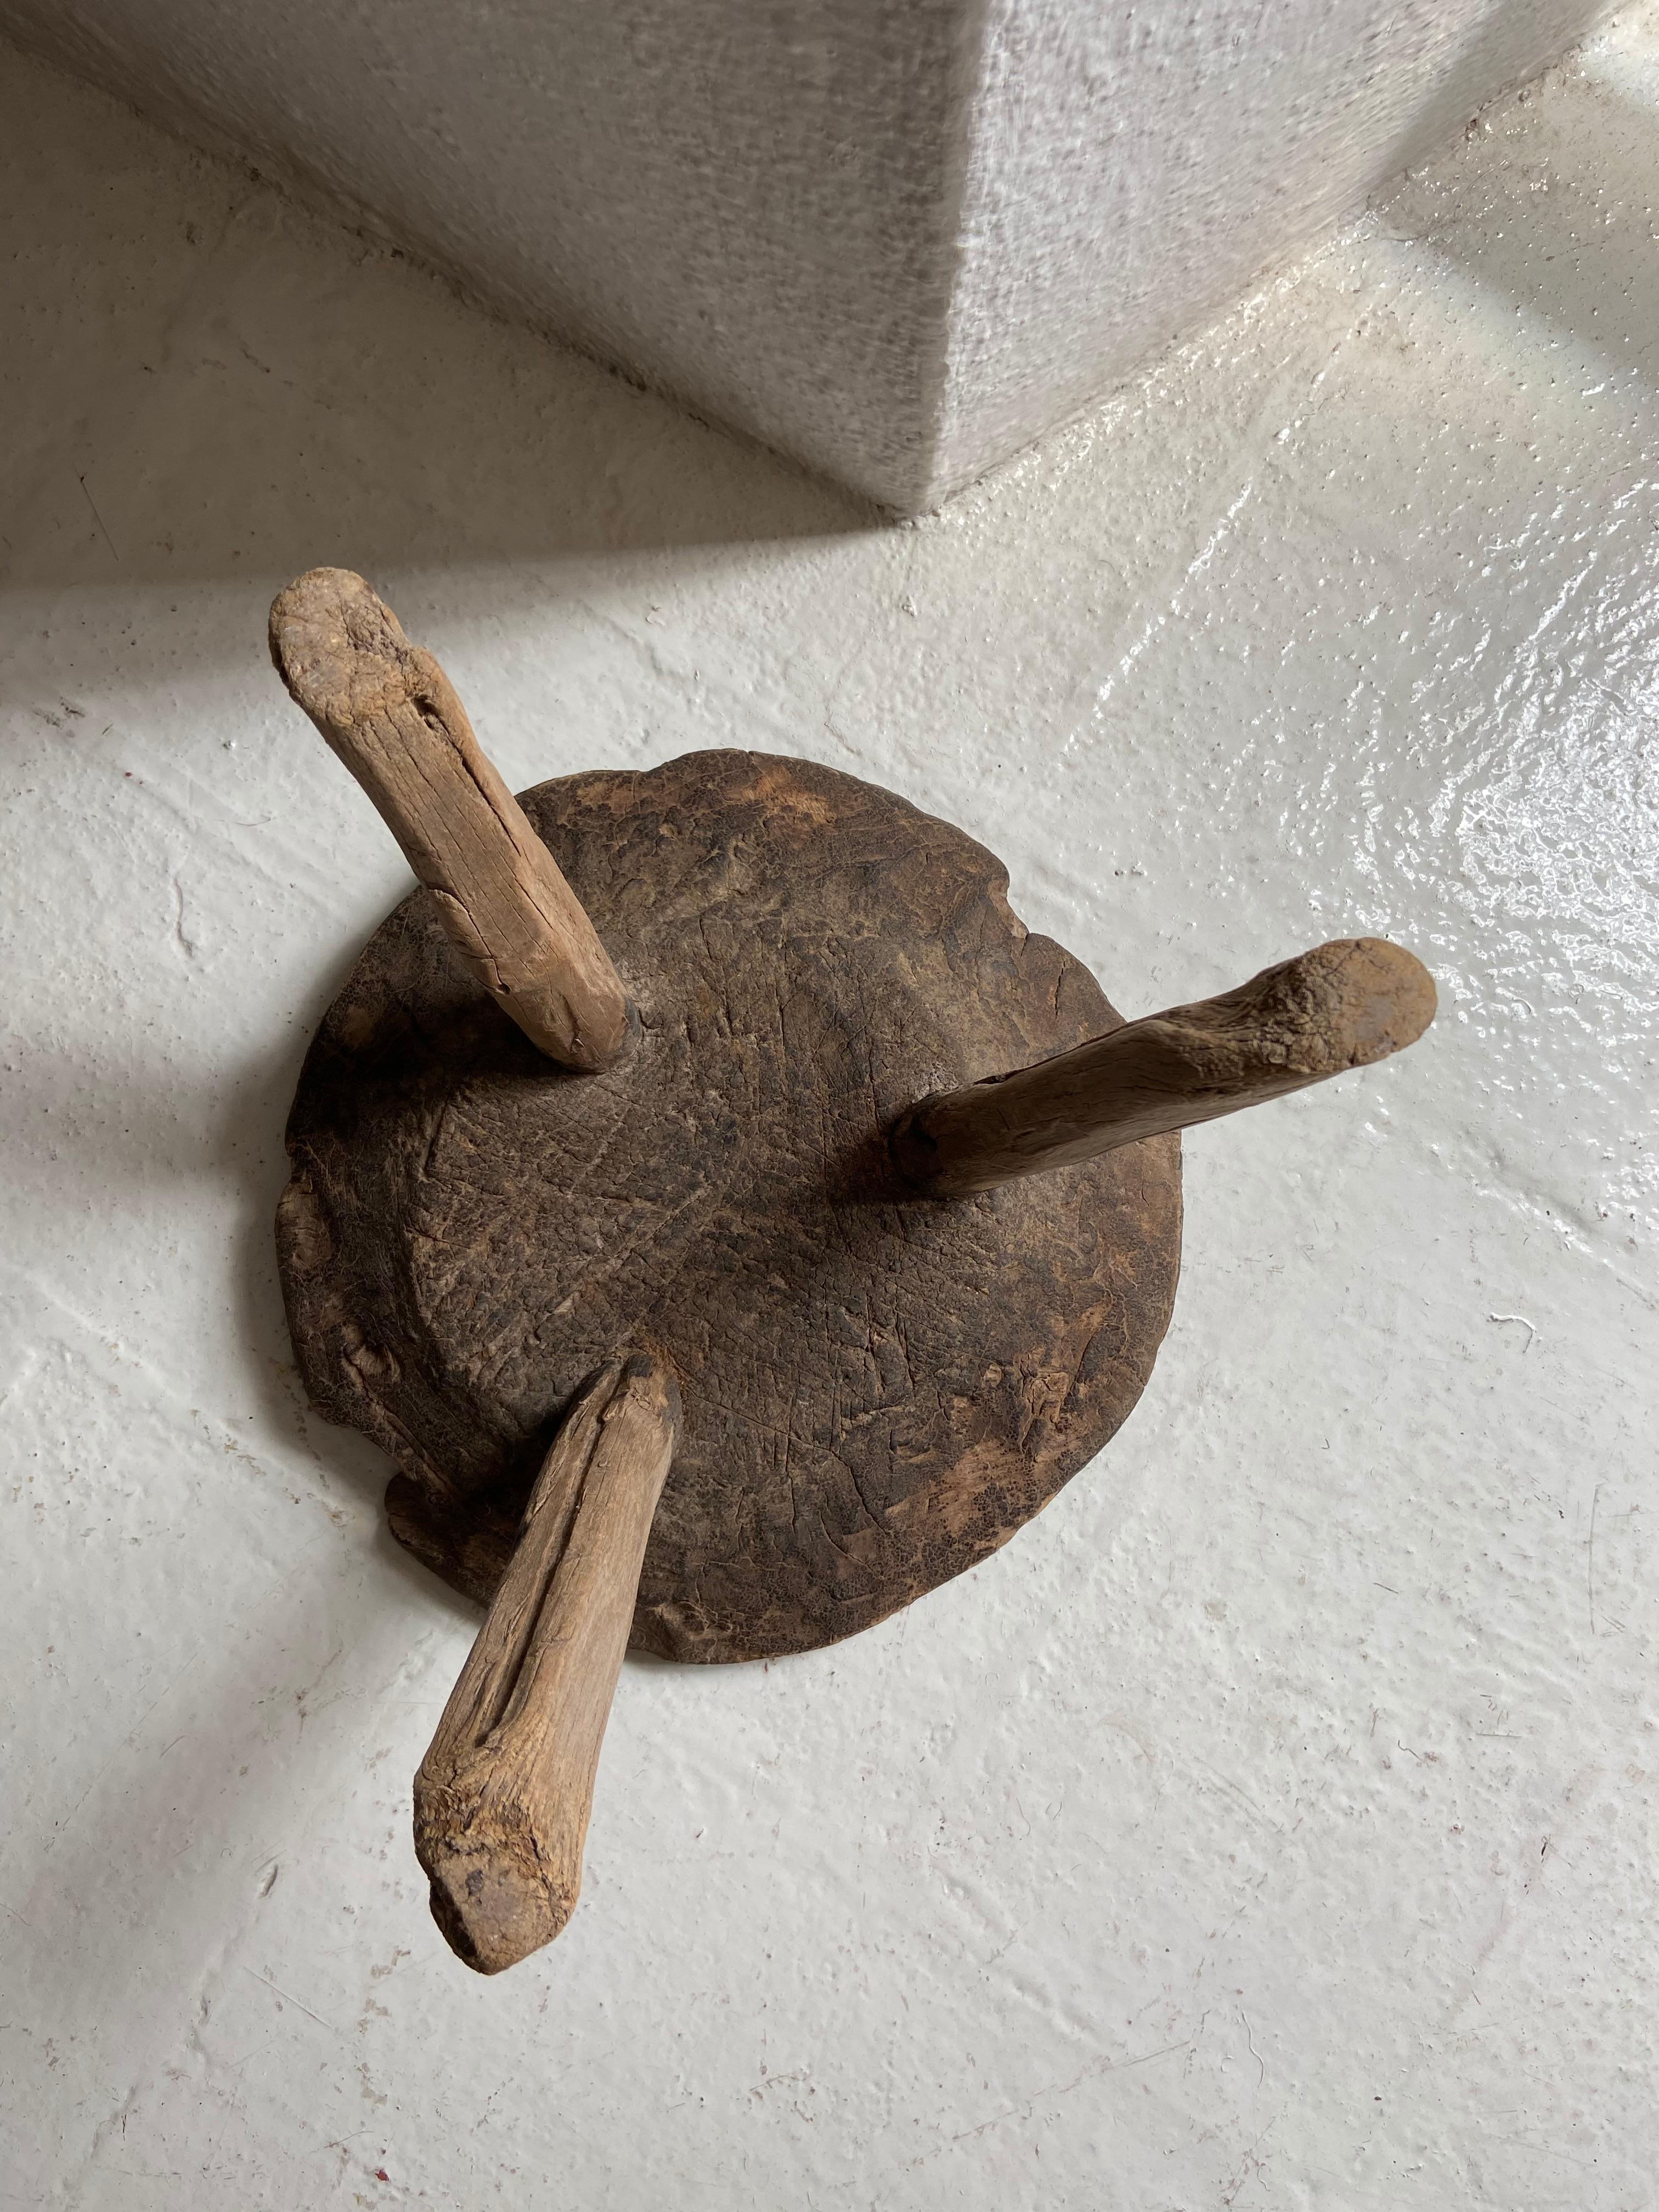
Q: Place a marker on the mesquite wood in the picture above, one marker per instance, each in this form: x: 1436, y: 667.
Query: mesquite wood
x: 1344, y: 1005
x: 879, y: 1387
x: 391, y: 713
x: 502, y: 1797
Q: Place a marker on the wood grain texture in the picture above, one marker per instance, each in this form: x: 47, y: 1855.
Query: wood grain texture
x: 391, y: 713
x: 878, y: 1389
x: 502, y: 1797
x: 1343, y: 1005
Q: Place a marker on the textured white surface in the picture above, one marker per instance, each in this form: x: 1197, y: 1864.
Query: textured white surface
x: 754, y: 206
x: 897, y: 242
x: 1130, y: 169
x: 1272, y: 1824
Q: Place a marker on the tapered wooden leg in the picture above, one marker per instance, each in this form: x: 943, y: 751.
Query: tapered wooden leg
x: 1341, y: 1006
x: 392, y: 714
x: 502, y: 1797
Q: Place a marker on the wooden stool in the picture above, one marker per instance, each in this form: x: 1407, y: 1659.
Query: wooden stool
x: 685, y: 1241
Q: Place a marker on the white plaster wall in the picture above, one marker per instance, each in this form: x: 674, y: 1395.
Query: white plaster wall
x: 751, y: 205
x: 1132, y: 167
x: 1272, y: 1824
x: 897, y: 242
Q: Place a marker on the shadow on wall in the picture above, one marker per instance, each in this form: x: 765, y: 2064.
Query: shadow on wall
x: 202, y: 381
x: 1559, y: 224
x: 1486, y: 56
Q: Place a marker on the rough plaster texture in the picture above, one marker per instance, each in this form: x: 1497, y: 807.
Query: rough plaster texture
x: 897, y: 242
x: 753, y: 207
x: 1272, y: 1824
x: 1131, y: 168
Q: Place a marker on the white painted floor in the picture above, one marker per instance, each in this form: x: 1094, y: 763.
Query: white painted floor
x: 1273, y: 1823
